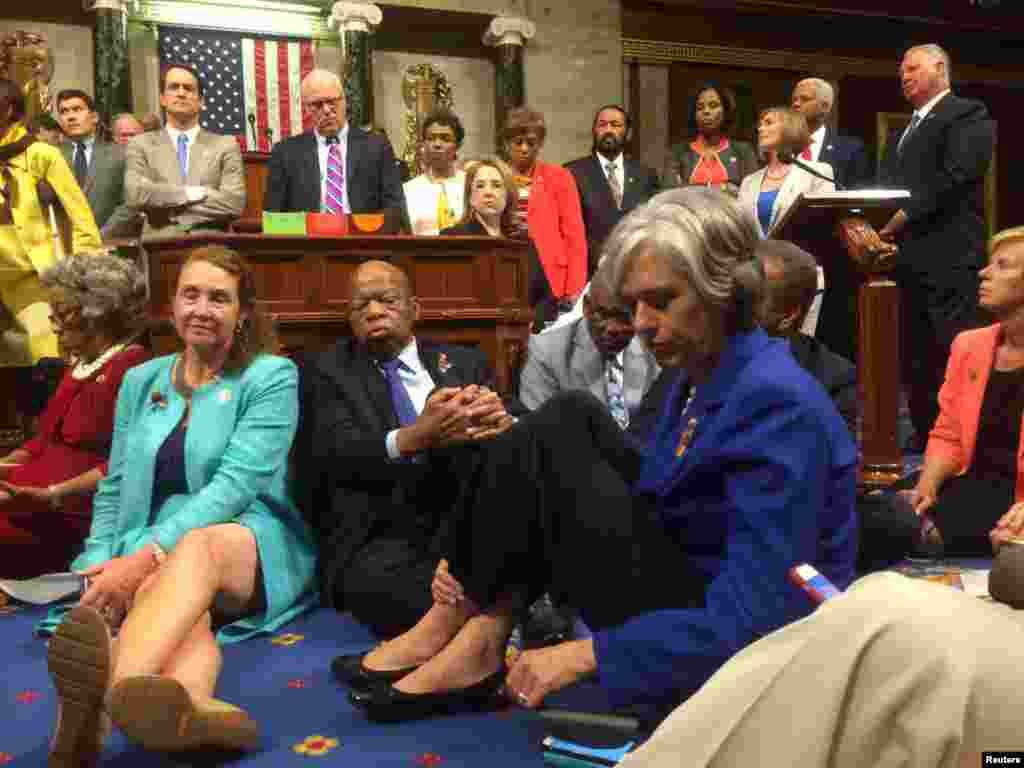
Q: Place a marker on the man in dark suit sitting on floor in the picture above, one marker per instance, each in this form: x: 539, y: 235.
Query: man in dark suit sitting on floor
x: 610, y: 183
x: 791, y: 282
x: 375, y: 455
x: 336, y: 167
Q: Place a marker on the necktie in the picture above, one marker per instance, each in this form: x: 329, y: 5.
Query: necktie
x: 183, y: 155
x: 910, y: 129
x: 404, y: 409
x: 613, y: 182
x: 334, y: 185
x: 81, y: 164
x: 616, y: 396
x: 806, y: 154
x: 445, y: 215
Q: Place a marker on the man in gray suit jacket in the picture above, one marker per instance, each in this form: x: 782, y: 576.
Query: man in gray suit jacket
x: 184, y: 178
x: 598, y: 353
x: 98, y: 165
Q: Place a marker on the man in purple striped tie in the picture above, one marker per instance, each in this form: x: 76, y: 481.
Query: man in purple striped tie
x: 335, y: 168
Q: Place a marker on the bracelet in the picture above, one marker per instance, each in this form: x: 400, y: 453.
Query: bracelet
x: 158, y: 553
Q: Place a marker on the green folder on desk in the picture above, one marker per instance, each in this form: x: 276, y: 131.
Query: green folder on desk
x: 284, y: 223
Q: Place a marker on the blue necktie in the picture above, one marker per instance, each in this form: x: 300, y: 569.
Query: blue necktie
x: 404, y: 409
x: 183, y: 154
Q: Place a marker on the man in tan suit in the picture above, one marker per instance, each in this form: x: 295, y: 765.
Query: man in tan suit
x: 184, y: 178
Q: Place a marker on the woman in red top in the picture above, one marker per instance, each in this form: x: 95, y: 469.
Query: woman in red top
x: 550, y: 205
x: 46, y: 485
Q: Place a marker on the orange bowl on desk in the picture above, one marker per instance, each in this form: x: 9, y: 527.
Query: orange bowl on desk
x: 326, y: 225
x: 367, y: 222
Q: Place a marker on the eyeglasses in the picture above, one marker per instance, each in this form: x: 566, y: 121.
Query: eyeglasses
x: 69, y: 319
x: 362, y: 303
x: 321, y: 104
x: 605, y: 316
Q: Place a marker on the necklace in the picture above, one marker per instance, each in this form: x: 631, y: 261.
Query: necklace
x: 777, y: 177
x: 84, y: 370
x: 183, y: 387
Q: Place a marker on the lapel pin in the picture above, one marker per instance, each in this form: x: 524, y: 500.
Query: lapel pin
x: 686, y: 438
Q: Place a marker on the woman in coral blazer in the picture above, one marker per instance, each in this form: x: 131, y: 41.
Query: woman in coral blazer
x: 974, y: 463
x: 549, y: 203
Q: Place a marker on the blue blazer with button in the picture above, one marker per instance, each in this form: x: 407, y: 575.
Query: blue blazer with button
x: 767, y: 482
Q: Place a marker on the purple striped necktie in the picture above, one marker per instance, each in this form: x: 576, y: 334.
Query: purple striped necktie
x: 334, y: 187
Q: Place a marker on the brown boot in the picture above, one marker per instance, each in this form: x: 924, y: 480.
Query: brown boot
x: 159, y: 713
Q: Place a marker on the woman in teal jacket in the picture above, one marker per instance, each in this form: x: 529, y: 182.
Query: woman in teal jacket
x: 193, y: 530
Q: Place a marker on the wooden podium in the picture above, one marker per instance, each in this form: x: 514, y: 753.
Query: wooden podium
x: 472, y: 290
x: 812, y: 223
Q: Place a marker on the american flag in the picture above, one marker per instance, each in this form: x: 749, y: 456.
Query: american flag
x: 244, y: 76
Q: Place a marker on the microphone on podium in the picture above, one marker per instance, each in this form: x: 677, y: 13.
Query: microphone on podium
x: 252, y: 127
x: 790, y: 157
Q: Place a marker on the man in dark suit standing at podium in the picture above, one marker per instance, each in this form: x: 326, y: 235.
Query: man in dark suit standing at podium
x: 942, y: 158
x: 814, y: 99
x: 336, y: 167
x: 610, y: 183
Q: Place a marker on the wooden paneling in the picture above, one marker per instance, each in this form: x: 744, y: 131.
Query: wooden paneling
x: 471, y: 289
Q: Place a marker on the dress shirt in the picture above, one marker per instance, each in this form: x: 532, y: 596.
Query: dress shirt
x: 620, y: 168
x: 322, y: 148
x: 922, y: 113
x: 192, y: 132
x: 817, y: 143
x: 418, y: 383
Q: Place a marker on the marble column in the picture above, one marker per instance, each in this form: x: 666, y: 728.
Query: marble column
x: 508, y: 36
x: 111, y: 72
x: 356, y: 22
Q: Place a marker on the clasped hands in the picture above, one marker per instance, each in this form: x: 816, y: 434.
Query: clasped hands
x: 456, y: 415
x: 867, y: 247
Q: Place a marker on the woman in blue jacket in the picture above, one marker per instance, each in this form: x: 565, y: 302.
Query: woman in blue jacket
x: 676, y: 556
x: 194, y: 538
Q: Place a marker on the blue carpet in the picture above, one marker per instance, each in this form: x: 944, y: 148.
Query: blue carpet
x: 289, y: 690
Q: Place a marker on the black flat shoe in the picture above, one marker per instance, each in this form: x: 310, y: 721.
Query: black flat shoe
x: 349, y: 670
x: 390, y: 705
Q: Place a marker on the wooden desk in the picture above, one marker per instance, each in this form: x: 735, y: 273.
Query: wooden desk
x: 472, y: 290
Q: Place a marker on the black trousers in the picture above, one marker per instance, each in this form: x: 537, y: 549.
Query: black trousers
x: 550, y: 508
x: 934, y: 308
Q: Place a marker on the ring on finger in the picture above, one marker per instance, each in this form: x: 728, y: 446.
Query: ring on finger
x: 522, y: 699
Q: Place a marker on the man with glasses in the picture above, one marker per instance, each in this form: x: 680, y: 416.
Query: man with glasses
x: 335, y: 168
x: 598, y: 353
x: 184, y: 178
x: 375, y: 455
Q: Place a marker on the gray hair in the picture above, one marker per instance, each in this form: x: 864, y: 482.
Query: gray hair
x: 321, y: 76
x: 935, y: 51
x: 823, y: 90
x: 110, y: 290
x: 799, y: 283
x: 707, y: 238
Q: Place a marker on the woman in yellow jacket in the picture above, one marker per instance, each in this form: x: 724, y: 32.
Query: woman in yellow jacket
x: 26, y: 239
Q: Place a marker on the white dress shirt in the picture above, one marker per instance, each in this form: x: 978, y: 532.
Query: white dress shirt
x: 192, y: 132
x: 418, y: 383
x: 322, y: 148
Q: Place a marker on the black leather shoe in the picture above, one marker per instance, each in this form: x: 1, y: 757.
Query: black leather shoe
x: 390, y: 705
x: 349, y: 670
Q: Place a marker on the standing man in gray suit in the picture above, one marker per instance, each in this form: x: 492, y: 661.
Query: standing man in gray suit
x: 98, y: 165
x: 599, y: 353
x: 184, y: 178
